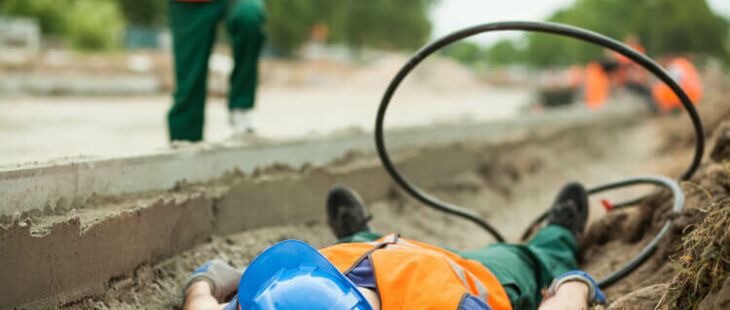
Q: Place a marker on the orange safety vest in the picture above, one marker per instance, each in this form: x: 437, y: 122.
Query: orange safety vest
x: 597, y: 86
x: 415, y: 275
x: 685, y: 74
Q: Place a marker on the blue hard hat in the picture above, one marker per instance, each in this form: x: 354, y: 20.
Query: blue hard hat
x: 293, y: 275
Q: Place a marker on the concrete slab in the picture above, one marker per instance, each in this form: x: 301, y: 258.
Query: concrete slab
x: 68, y: 184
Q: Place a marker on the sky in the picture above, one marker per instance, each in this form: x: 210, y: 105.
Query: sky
x: 451, y: 15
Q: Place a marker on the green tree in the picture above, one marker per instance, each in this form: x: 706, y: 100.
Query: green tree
x: 384, y: 24
x: 465, y: 52
x: 144, y: 12
x: 94, y: 24
x: 84, y: 24
x: 51, y: 14
x: 504, y: 52
x: 684, y: 27
x: 402, y: 24
x: 288, y: 23
x: 664, y: 27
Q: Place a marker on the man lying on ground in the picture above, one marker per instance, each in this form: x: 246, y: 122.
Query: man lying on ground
x: 368, y: 271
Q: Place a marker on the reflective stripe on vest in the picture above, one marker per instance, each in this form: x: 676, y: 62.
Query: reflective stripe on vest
x: 414, y: 275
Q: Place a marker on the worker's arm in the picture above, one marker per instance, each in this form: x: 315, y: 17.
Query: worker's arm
x: 572, y: 295
x: 210, y: 285
x: 199, y: 296
x: 573, y: 290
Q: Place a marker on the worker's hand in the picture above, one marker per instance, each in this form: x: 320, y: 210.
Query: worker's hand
x: 223, y: 278
x: 571, y: 295
x: 573, y: 290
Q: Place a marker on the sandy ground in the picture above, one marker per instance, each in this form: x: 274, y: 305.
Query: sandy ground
x: 517, y: 182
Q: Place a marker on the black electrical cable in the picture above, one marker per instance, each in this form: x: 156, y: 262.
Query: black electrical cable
x: 649, y: 249
x: 553, y: 28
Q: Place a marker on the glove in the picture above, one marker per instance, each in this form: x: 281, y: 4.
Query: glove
x: 223, y: 278
x: 595, y: 295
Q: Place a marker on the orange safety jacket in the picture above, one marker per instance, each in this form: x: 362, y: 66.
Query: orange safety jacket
x: 685, y: 74
x: 415, y: 275
x: 597, y: 86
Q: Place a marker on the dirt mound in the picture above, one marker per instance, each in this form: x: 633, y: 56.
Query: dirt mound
x: 703, y: 263
x: 690, y: 268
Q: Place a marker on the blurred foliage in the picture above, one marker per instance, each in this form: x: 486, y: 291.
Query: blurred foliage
x: 144, y: 12
x: 94, y: 24
x: 51, y: 14
x: 84, y: 24
x: 385, y: 24
x: 505, y: 52
x: 289, y: 22
x: 663, y: 26
x: 402, y: 24
x: 465, y: 52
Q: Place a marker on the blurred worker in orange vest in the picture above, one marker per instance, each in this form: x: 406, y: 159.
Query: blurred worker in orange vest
x: 632, y: 76
x: 597, y: 85
x: 616, y: 71
x: 685, y: 74
x: 629, y: 73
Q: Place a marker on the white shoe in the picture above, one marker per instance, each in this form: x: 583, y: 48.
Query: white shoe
x: 241, y: 121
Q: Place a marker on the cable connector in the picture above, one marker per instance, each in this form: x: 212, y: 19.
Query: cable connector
x: 607, y: 205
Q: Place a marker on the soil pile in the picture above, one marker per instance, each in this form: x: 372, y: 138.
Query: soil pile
x: 690, y: 268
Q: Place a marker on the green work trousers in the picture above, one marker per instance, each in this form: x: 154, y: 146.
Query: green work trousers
x: 193, y: 26
x: 522, y: 269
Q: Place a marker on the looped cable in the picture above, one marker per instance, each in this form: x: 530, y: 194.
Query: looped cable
x: 558, y: 29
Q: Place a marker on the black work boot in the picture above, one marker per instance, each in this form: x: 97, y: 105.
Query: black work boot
x: 346, y: 213
x: 570, y: 209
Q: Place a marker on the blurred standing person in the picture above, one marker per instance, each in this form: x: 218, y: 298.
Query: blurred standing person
x: 615, y: 71
x: 631, y: 75
x: 685, y: 74
x: 193, y: 24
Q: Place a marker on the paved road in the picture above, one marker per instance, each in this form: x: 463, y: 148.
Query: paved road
x: 43, y: 128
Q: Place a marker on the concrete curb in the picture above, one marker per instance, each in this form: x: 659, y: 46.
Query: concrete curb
x: 65, y: 185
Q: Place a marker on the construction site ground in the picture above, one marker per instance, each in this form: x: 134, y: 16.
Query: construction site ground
x: 512, y: 183
x: 135, y: 250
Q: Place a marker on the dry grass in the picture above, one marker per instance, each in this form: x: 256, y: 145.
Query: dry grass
x: 703, y: 262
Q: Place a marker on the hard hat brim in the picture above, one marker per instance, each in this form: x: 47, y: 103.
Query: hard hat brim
x: 287, y: 254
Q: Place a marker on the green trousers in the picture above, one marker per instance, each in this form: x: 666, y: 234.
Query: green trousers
x: 522, y: 269
x: 193, y: 26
